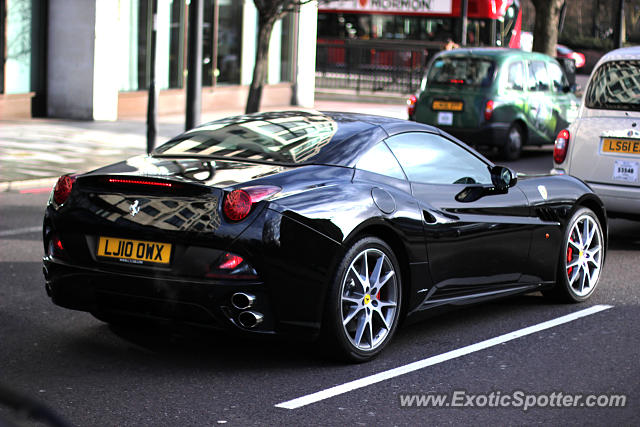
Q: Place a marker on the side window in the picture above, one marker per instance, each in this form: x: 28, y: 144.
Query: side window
x: 380, y: 160
x: 516, y: 76
x: 558, y: 79
x: 432, y: 159
x: 532, y: 84
x: 538, y: 77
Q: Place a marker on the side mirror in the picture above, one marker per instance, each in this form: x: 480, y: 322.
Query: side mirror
x: 503, y: 178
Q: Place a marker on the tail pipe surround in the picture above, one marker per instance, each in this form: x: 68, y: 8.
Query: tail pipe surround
x: 250, y: 319
x: 242, y: 301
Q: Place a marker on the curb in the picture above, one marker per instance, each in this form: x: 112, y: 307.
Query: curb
x: 27, y: 184
x: 370, y: 98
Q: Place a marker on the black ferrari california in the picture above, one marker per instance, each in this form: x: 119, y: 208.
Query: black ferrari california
x: 314, y: 224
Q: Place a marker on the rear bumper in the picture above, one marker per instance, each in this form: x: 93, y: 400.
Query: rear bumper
x: 108, y: 294
x: 491, y: 134
x: 620, y: 201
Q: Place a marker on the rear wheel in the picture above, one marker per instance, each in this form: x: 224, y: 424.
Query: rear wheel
x: 364, y: 305
x: 512, y: 147
x: 582, y: 258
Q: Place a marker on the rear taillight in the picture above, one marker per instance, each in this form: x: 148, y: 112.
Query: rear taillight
x: 488, y: 110
x: 62, y: 190
x: 231, y: 266
x: 579, y: 58
x: 54, y: 246
x: 230, y: 261
x: 237, y: 204
x: 411, y: 105
x: 561, y: 146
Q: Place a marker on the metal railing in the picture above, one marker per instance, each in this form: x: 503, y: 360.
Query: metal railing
x: 371, y: 66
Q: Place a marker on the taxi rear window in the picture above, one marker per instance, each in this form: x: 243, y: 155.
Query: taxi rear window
x: 615, y: 86
x: 464, y: 71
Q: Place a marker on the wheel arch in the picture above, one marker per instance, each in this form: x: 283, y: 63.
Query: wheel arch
x: 391, y: 238
x: 593, y: 203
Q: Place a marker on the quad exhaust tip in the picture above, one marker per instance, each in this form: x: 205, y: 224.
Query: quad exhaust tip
x: 242, y: 301
x: 250, y: 319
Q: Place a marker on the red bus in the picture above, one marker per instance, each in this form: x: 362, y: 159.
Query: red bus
x: 427, y: 23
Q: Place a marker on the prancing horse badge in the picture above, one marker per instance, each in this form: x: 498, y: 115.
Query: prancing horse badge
x: 135, y: 207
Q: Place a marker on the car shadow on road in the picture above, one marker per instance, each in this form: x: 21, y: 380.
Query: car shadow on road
x: 188, y: 346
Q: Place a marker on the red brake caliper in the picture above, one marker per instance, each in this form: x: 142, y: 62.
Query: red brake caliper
x: 569, y: 256
x: 378, y: 295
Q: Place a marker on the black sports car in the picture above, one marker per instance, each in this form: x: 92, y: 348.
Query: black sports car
x: 310, y: 223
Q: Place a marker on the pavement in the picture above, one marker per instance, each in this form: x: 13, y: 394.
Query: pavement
x: 35, y: 152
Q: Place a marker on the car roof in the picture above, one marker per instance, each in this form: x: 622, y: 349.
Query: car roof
x: 497, y: 53
x: 621, y: 54
x: 298, y: 136
x: 391, y: 125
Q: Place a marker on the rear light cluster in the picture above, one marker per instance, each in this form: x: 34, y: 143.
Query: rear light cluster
x: 230, y: 261
x: 488, y: 110
x: 561, y: 146
x: 238, y: 204
x: 231, y: 266
x: 411, y: 105
x: 63, y: 187
x: 53, y: 245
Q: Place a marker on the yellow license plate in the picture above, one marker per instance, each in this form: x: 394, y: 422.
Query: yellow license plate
x: 620, y: 145
x: 447, y: 105
x: 134, y: 251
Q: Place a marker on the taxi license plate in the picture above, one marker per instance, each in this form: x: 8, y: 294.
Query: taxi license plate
x: 134, y: 251
x: 621, y: 146
x: 447, y: 105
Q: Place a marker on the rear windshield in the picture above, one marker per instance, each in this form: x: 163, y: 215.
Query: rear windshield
x: 615, y: 86
x: 452, y: 70
x: 273, y: 137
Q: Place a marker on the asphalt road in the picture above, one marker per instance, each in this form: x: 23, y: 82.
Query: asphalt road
x: 93, y: 374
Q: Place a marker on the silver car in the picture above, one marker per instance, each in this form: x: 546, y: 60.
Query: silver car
x: 602, y: 146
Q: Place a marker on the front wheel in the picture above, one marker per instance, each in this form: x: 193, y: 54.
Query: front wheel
x: 582, y: 257
x: 364, y: 305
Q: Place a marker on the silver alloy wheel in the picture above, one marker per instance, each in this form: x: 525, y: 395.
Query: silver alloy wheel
x: 584, y: 256
x: 369, y: 299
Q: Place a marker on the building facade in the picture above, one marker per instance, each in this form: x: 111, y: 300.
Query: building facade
x: 89, y: 59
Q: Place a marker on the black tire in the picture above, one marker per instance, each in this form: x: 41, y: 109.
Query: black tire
x: 355, y: 305
x: 512, y: 147
x: 581, y: 259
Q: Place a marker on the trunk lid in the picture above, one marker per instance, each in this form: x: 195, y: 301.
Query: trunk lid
x: 606, y: 148
x: 162, y: 213
x: 456, y: 107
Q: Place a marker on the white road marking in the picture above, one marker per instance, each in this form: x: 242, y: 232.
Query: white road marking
x: 420, y: 364
x: 14, y: 232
